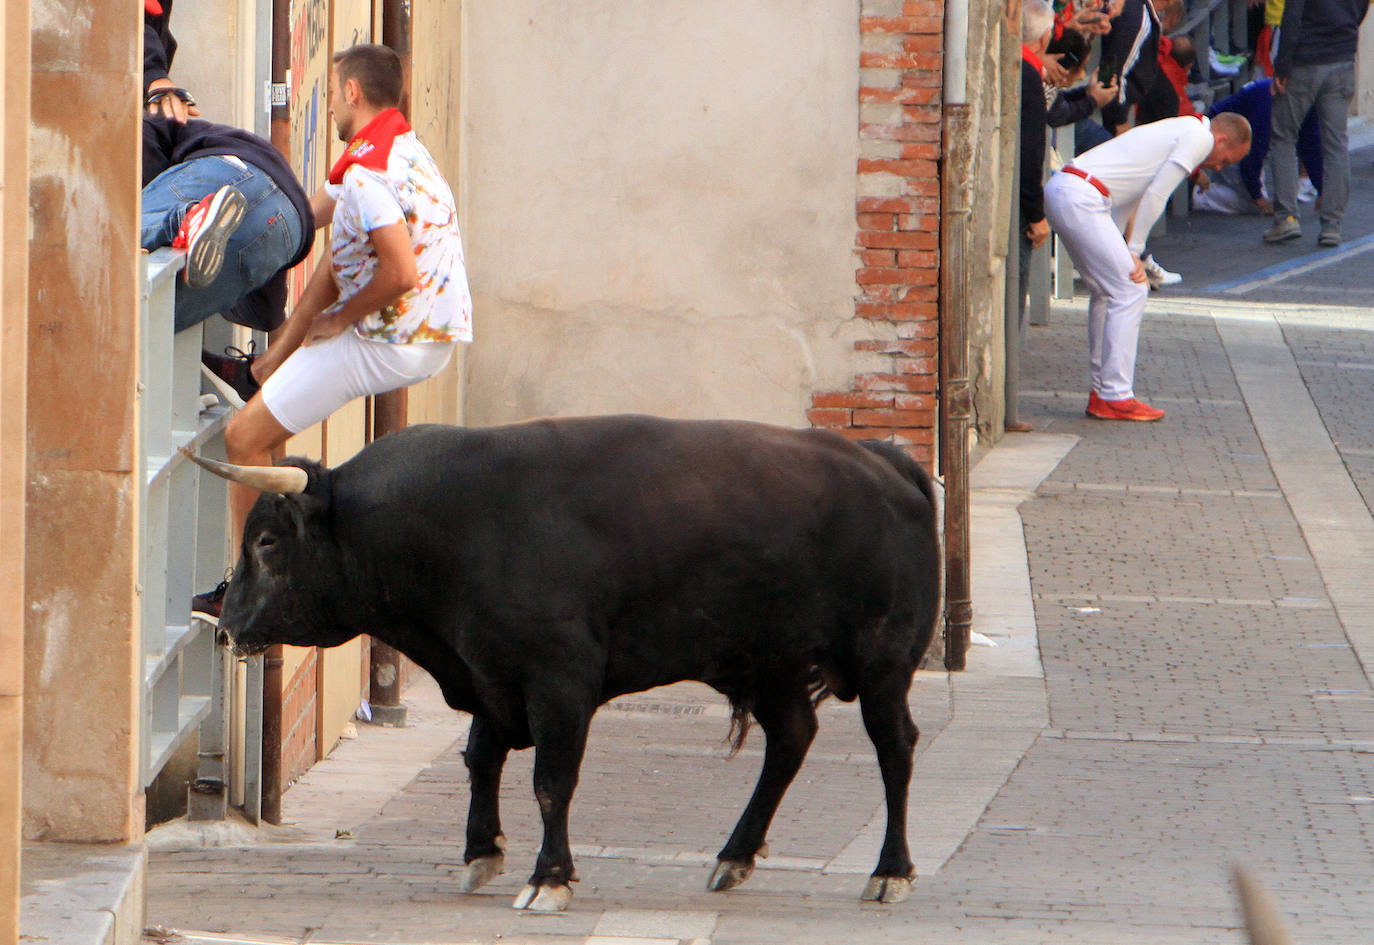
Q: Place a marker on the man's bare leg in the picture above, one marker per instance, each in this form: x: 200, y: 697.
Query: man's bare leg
x: 251, y: 439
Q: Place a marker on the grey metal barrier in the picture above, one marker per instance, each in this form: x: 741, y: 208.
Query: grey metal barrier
x: 188, y: 677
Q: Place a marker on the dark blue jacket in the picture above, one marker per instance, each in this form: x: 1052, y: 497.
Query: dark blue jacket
x: 1255, y: 102
x: 1317, y: 32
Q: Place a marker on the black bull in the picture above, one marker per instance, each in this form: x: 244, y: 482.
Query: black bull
x: 538, y: 570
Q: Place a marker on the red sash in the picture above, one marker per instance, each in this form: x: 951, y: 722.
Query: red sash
x: 1029, y: 56
x: 371, y: 147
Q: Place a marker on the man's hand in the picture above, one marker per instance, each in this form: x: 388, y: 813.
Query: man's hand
x: 1202, y: 180
x: 325, y: 326
x: 1266, y: 206
x: 1038, y: 232
x: 1091, y: 22
x: 170, y: 105
x: 1055, y: 74
x: 1102, y: 94
x: 1279, y: 86
x: 1138, y: 269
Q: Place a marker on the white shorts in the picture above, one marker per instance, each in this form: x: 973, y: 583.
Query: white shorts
x: 317, y: 380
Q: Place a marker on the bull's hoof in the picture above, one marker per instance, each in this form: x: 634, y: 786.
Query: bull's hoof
x: 544, y: 898
x: 728, y: 874
x: 482, y: 871
x: 886, y: 889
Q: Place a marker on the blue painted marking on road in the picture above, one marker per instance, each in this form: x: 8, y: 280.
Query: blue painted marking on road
x: 1323, y: 257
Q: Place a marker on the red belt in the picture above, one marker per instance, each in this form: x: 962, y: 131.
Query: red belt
x: 1070, y: 169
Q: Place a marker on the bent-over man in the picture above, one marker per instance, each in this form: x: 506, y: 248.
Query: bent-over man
x: 1103, y: 206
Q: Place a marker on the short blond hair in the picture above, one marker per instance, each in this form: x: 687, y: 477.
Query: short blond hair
x: 1234, y: 126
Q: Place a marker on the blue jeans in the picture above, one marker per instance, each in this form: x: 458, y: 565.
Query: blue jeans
x: 263, y: 244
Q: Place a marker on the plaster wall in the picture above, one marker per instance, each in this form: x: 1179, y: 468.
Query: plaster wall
x: 1363, y: 105
x: 14, y: 118
x: 659, y: 211
x: 81, y: 665
x: 994, y: 97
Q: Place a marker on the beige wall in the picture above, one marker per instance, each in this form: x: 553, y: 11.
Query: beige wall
x: 81, y: 665
x: 658, y: 206
x: 14, y: 119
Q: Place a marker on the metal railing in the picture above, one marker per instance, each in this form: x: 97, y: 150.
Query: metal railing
x: 188, y: 678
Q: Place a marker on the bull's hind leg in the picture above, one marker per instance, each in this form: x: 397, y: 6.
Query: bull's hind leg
x: 485, y: 756
x: 789, y: 721
x: 893, y: 733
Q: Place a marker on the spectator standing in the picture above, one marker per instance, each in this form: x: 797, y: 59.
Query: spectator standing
x: 1037, y: 26
x: 1102, y: 206
x: 1315, y: 66
x: 388, y: 302
x: 1132, y: 46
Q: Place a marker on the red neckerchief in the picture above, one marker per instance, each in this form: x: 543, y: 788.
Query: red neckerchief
x: 1028, y: 55
x: 152, y: 8
x: 372, y: 146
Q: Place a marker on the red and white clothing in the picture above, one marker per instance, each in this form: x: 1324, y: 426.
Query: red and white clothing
x: 384, y: 177
x: 1130, y: 179
x: 409, y: 190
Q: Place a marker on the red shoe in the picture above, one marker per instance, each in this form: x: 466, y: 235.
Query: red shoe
x: 1128, y: 409
x: 205, y: 230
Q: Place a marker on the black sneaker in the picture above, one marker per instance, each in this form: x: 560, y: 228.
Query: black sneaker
x: 207, y: 606
x: 234, y: 367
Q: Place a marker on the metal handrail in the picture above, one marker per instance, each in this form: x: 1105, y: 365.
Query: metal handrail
x: 182, y: 543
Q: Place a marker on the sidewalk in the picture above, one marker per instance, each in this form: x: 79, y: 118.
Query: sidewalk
x: 1195, y: 592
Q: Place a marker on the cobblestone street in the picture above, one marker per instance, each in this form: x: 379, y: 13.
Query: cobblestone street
x: 1190, y: 693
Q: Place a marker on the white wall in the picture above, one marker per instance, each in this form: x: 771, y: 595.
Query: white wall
x: 658, y: 206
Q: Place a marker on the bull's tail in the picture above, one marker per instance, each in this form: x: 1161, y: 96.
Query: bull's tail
x: 901, y: 461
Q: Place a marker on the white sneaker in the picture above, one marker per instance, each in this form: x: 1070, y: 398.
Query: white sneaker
x: 1219, y: 66
x: 1306, y: 192
x: 1157, y: 275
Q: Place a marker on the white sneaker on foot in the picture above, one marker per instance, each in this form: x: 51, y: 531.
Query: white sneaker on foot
x: 1157, y: 275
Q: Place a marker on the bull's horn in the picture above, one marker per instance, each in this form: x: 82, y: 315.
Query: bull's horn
x: 1262, y: 917
x: 287, y: 480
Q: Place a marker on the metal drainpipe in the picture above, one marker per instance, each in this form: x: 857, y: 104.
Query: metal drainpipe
x: 956, y: 402
x: 390, y: 413
x: 272, y: 694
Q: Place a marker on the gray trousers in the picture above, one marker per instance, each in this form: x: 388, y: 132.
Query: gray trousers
x: 1330, y: 87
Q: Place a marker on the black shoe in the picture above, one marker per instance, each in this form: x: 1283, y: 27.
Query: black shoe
x: 207, y: 606
x: 234, y: 367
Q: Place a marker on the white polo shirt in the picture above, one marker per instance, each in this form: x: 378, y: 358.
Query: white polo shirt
x: 1143, y: 166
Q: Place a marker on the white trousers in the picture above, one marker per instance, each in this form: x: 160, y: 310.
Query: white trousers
x: 317, y: 380
x: 1082, y: 217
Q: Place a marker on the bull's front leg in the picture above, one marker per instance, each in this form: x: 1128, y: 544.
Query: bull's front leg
x: 559, y: 728
x: 485, y: 756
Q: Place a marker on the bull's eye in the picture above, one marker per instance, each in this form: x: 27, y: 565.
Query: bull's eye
x: 266, y: 541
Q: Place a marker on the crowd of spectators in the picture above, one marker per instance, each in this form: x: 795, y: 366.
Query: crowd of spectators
x: 1112, y: 65
x: 1256, y: 132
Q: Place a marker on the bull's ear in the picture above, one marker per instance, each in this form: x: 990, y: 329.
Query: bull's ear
x: 315, y: 498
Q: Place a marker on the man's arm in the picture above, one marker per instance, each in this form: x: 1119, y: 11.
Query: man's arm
x: 319, y: 293
x: 322, y: 207
x: 395, y: 275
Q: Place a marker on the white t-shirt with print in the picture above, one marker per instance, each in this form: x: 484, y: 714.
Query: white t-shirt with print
x: 410, y: 190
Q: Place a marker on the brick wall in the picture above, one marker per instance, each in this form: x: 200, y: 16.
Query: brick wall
x: 298, y: 721
x: 898, y: 225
